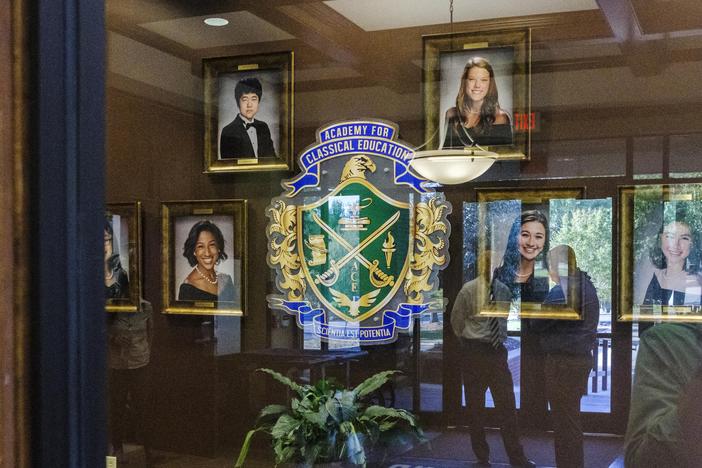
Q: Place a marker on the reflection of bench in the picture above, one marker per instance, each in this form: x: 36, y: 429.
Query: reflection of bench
x: 392, y: 356
x: 599, y: 377
x: 292, y: 362
x: 431, y: 370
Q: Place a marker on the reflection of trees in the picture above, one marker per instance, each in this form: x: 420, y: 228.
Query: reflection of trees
x: 586, y: 226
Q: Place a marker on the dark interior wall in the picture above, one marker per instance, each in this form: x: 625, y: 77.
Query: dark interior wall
x: 155, y: 155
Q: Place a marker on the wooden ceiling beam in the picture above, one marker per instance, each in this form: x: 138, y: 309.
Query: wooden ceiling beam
x: 646, y: 56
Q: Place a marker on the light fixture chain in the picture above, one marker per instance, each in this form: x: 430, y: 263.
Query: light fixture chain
x: 451, y: 23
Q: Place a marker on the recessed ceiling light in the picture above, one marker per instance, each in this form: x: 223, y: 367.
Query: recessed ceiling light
x: 216, y: 21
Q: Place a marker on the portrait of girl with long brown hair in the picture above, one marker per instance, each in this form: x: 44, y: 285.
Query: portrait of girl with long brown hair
x: 477, y: 117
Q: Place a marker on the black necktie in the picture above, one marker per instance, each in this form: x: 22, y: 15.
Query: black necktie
x: 248, y: 125
x: 495, y: 339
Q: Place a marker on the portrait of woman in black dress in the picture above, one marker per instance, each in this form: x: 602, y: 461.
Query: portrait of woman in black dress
x: 675, y: 253
x: 204, y: 249
x: 477, y: 118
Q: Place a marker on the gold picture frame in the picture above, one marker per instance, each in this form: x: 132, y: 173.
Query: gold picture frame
x: 183, y: 223
x: 494, y: 238
x: 123, y: 266
x: 645, y: 213
x: 228, y: 148
x: 509, y: 53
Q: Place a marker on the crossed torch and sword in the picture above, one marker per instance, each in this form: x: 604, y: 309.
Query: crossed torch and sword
x: 377, y: 277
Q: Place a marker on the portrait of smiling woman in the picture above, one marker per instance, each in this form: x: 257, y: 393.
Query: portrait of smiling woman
x: 477, y: 117
x: 675, y: 253
x: 526, y: 245
x: 204, y: 248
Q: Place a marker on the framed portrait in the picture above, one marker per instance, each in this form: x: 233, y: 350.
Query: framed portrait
x: 477, y: 92
x: 491, y: 230
x: 660, y: 253
x: 122, y: 254
x: 249, y: 113
x: 204, y: 257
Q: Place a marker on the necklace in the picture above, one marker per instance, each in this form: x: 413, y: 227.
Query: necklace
x: 205, y: 276
x: 520, y: 275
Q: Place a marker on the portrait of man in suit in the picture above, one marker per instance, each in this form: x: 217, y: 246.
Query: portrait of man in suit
x: 245, y: 136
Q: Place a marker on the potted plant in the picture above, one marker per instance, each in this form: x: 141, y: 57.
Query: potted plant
x: 327, y: 423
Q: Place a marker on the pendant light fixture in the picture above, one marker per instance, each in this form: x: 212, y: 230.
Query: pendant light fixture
x: 453, y: 165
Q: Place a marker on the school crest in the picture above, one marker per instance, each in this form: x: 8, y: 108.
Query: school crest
x: 358, y: 239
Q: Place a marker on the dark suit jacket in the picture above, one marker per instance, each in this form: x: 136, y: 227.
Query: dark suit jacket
x: 235, y: 142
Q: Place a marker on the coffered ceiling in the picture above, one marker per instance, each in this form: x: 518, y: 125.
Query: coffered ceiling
x: 377, y: 44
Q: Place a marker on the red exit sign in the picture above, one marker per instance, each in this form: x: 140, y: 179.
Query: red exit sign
x: 526, y: 121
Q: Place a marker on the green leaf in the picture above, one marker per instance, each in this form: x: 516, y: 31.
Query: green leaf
x: 282, y: 379
x: 285, y: 455
x: 327, y: 423
x: 272, y: 411
x: 373, y: 383
x: 333, y: 408
x: 245, y: 448
x: 377, y: 411
x: 311, y: 453
x: 327, y: 386
x: 285, y: 425
x: 388, y: 419
x: 354, y: 451
x: 318, y: 418
x: 348, y: 404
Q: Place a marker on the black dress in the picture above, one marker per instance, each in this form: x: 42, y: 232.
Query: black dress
x: 188, y: 292
x: 120, y: 288
x: 458, y: 136
x: 655, y: 294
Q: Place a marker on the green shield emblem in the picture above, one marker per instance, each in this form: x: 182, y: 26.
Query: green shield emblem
x: 355, y: 243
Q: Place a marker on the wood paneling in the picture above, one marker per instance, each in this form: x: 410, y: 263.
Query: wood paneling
x: 14, y: 239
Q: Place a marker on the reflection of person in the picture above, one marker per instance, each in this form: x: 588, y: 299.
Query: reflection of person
x: 129, y: 353
x: 204, y: 249
x: 477, y: 117
x: 566, y: 350
x: 664, y: 418
x: 526, y: 244
x: 246, y: 137
x: 484, y: 365
x: 116, y: 279
x: 676, y: 254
